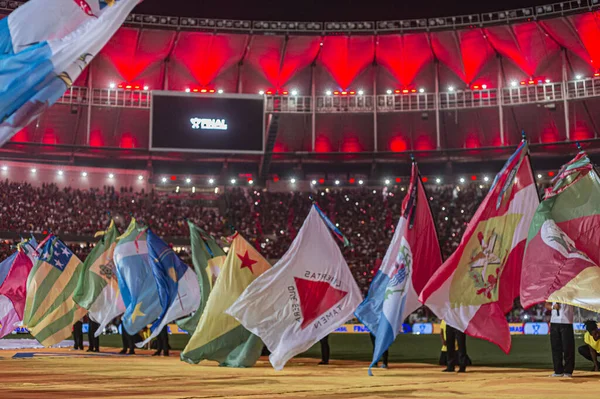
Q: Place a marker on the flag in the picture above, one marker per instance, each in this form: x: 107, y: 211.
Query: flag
x: 44, y: 47
x: 219, y: 336
x: 477, y: 285
x: 178, y: 289
x: 14, y: 271
x: 410, y: 261
x: 206, y: 253
x: 98, y: 288
x: 307, y: 294
x: 50, y: 311
x: 561, y: 262
x: 136, y: 279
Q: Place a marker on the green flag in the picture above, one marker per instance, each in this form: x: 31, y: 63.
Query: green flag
x: 206, y: 253
x: 98, y: 289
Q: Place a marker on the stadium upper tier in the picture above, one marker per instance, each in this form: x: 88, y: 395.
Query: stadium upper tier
x: 463, y: 82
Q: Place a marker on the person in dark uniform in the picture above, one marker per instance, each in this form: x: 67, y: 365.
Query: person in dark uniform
x: 94, y: 341
x: 78, y: 335
x: 454, y: 336
x: 325, y: 351
x: 162, y: 342
x: 384, y: 357
x: 128, y: 342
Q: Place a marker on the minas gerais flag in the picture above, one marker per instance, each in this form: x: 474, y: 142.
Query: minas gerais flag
x: 50, y: 310
x: 562, y: 257
x: 474, y: 289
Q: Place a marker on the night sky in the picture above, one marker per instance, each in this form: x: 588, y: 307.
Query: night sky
x: 326, y: 10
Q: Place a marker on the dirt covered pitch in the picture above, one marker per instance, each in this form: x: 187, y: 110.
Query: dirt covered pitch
x: 65, y: 374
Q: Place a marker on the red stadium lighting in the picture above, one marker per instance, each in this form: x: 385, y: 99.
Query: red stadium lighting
x: 211, y: 91
x: 269, y: 92
x: 285, y: 93
x: 321, y: 181
x: 128, y: 87
x: 275, y: 179
x: 398, y: 180
x: 405, y: 91
x: 531, y: 82
x: 137, y: 87
x: 551, y: 174
x: 336, y: 93
x: 425, y: 179
x: 473, y: 177
x: 203, y: 91
x: 397, y: 91
x: 196, y: 90
x: 597, y: 74
x: 475, y: 87
x: 120, y: 86
x: 173, y: 178
x: 344, y: 93
x: 352, y: 93
x: 413, y: 91
x: 523, y: 83
x: 352, y: 180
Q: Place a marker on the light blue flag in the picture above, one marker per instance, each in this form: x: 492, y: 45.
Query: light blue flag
x: 410, y: 261
x: 44, y: 47
x: 177, y: 285
x: 136, y: 279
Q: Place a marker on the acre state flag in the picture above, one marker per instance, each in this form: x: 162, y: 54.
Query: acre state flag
x: 562, y: 257
x: 307, y: 295
x: 477, y: 285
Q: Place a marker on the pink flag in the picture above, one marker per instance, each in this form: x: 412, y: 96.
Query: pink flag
x: 13, y: 291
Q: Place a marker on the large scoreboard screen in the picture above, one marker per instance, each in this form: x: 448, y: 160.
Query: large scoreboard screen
x: 233, y: 123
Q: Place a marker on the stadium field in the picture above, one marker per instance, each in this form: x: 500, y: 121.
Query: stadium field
x: 413, y: 372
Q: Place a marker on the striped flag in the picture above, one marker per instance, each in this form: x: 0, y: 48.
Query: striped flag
x: 206, y: 254
x: 562, y: 260
x: 98, y: 288
x: 475, y: 288
x: 219, y: 336
x: 44, y: 47
x: 50, y: 311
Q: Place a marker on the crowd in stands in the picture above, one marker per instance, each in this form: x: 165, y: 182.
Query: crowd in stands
x: 269, y: 220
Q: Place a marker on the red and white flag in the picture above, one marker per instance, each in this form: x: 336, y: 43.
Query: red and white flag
x: 307, y: 295
x: 477, y: 285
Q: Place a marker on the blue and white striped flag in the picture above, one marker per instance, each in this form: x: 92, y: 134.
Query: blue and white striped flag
x: 44, y: 47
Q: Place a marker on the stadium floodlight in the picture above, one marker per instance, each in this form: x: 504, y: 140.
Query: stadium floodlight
x: 361, y: 92
x: 83, y: 174
x: 146, y: 88
x: 112, y: 85
x: 451, y: 88
x: 293, y: 181
x: 220, y: 91
x: 193, y: 190
x: 387, y: 182
x: 5, y: 168
x: 547, y: 80
x: 34, y: 170
x: 578, y: 77
x: 513, y: 83
x: 484, y: 86
x: 438, y: 180
x: 211, y: 181
x: 539, y: 176
x: 164, y: 179
x: 261, y: 92
x: 388, y: 91
x: 485, y: 178
x: 360, y: 182
x: 250, y: 182
x: 233, y: 181
x: 111, y: 175
x: 188, y: 180
x: 462, y: 180
x: 294, y: 92
x: 60, y: 173
x: 421, y: 90
x: 328, y: 93
x: 187, y: 90
x: 140, y: 177
x: 314, y: 182
x: 337, y: 182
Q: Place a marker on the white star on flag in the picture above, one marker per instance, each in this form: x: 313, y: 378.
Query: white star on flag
x: 66, y: 251
x: 58, y: 263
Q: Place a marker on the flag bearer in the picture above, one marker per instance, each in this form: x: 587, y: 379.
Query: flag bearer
x: 562, y: 339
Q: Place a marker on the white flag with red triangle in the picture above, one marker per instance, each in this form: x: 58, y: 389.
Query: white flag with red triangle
x: 307, y: 295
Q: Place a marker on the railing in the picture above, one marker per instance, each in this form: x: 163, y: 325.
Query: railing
x: 469, y: 99
x: 319, y: 28
x: 385, y: 103
x: 540, y: 93
x: 583, y: 88
x: 406, y: 102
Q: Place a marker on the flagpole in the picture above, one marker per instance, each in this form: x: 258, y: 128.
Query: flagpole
x: 528, y: 155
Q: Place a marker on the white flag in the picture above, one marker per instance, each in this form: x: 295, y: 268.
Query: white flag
x: 307, y: 295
